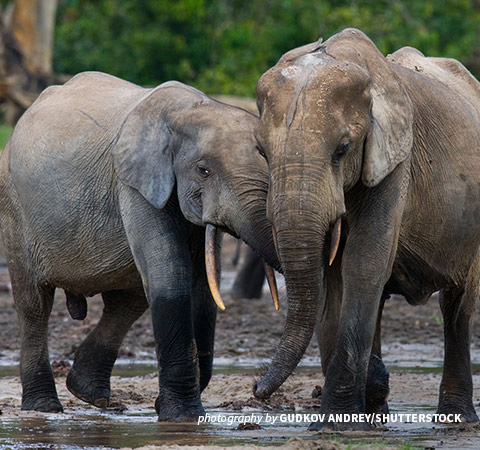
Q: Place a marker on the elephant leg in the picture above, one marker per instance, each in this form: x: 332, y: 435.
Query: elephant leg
x: 367, y: 261
x: 159, y: 243
x: 250, y: 277
x: 89, y: 377
x: 456, y: 390
x: 329, y: 313
x: 204, y: 309
x: 33, y: 302
x: 34, y: 305
x: 377, y: 385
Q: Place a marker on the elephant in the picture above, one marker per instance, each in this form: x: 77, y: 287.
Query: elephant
x: 374, y: 166
x: 108, y: 187
x: 250, y: 276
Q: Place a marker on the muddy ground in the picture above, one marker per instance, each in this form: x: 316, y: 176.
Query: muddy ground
x: 247, y: 333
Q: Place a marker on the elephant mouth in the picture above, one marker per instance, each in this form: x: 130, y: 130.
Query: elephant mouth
x: 212, y: 242
x: 226, y: 230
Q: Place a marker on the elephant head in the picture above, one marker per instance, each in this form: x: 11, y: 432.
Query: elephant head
x: 178, y: 141
x: 334, y: 118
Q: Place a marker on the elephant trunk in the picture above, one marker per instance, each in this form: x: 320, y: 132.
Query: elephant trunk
x: 245, y: 217
x: 302, y: 225
x: 249, y: 220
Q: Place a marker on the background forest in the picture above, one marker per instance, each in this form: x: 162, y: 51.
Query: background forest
x: 223, y: 46
x: 218, y: 46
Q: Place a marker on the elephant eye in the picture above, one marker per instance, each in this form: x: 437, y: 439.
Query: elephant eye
x: 203, y: 171
x: 260, y: 150
x: 339, y: 152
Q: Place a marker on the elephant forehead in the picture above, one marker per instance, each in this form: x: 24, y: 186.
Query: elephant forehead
x: 313, y: 93
x: 216, y: 121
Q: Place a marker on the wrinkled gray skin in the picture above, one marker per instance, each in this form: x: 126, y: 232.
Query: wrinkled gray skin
x: 105, y: 187
x: 392, y: 145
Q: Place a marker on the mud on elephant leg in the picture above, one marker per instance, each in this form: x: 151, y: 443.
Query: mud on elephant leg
x: 158, y: 236
x: 250, y: 277
x: 204, y: 308
x: 458, y: 306
x: 377, y: 385
x: 34, y: 305
x: 89, y: 377
x: 179, y: 394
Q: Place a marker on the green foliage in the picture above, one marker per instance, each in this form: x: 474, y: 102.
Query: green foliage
x: 5, y: 132
x: 223, y: 46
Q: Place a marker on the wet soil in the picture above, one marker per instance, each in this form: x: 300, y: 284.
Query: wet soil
x: 247, y: 333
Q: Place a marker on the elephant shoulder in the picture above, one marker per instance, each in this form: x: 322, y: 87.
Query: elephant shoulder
x: 448, y: 71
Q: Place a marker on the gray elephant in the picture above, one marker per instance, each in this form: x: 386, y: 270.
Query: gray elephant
x: 106, y: 188
x: 250, y: 275
x: 374, y: 170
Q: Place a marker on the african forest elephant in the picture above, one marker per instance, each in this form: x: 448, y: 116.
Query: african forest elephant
x: 250, y: 276
x: 105, y: 188
x: 377, y: 161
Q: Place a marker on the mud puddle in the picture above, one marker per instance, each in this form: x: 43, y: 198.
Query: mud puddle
x: 132, y: 422
x: 139, y: 428
x: 135, y: 429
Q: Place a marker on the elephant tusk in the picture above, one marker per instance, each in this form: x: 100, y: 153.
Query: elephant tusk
x: 210, y: 244
x: 272, y: 284
x: 336, y: 232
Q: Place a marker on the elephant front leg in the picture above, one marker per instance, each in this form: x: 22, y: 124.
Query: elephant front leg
x: 158, y: 240
x: 366, y: 266
x: 346, y: 377
x: 179, y: 395
x: 204, y: 307
x: 377, y: 381
x: 89, y: 377
x: 456, y: 390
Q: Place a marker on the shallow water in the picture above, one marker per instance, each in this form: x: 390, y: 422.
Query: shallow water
x: 137, y: 428
x: 91, y: 429
x: 134, y: 429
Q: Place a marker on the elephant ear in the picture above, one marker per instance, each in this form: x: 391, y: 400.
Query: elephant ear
x: 390, y: 139
x: 141, y: 154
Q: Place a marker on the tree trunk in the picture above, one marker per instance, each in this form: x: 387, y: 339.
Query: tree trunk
x: 26, y: 43
x: 33, y: 26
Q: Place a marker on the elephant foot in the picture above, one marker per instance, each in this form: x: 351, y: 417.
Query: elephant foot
x: 178, y: 411
x: 83, y: 388
x: 378, y: 387
x: 42, y: 404
x: 339, y: 426
x: 466, y: 413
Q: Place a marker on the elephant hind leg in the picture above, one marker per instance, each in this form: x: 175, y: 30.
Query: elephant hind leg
x: 456, y: 388
x: 34, y: 305
x: 89, y: 377
x: 378, y: 377
x: 250, y: 277
x: 33, y: 302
